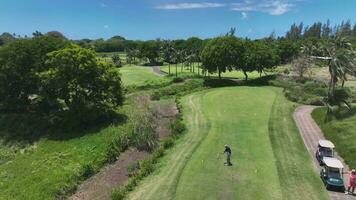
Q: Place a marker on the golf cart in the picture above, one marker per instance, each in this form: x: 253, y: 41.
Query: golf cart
x: 325, y: 149
x: 332, y: 173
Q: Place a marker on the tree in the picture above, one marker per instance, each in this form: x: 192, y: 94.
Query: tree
x: 258, y: 56
x: 221, y: 54
x: 150, y: 50
x: 20, y: 62
x: 302, y: 64
x: 6, y: 38
x: 56, y: 34
x: 82, y: 82
x: 168, y: 53
x: 340, y: 58
x: 287, y: 50
x: 116, y: 60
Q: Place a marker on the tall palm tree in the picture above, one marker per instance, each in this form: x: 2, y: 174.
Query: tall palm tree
x: 341, y: 62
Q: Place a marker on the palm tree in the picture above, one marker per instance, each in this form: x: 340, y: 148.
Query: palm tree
x: 341, y: 61
x: 168, y: 51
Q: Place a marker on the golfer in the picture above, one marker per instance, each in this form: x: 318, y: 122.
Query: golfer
x: 227, y: 151
x: 352, y: 182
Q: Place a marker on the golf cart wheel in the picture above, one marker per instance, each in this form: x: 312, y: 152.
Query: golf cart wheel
x: 328, y: 187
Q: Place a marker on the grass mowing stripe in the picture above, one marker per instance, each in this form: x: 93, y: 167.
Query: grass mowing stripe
x: 297, y: 176
x: 235, y: 119
x: 162, y: 184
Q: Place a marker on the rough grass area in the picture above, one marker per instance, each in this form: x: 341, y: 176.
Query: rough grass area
x: 50, y: 168
x: 341, y: 130
x: 269, y: 158
x: 135, y: 75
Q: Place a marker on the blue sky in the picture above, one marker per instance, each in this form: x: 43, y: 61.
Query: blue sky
x: 167, y: 19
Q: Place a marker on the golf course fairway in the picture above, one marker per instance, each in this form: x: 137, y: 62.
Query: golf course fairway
x: 268, y: 156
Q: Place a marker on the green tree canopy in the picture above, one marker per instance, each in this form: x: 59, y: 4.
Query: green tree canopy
x: 222, y: 54
x: 76, y: 77
x: 20, y: 62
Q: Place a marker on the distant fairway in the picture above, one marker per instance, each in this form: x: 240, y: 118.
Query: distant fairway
x: 269, y: 158
x: 135, y: 75
x: 232, y: 74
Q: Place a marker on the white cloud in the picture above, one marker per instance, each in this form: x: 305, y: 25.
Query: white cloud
x: 106, y: 26
x: 180, y: 6
x: 244, y: 15
x: 272, y: 7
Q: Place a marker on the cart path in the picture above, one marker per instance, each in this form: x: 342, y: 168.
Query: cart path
x: 157, y: 70
x: 311, y: 134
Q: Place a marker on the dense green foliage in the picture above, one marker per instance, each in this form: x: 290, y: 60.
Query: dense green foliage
x: 222, y: 54
x: 49, y: 79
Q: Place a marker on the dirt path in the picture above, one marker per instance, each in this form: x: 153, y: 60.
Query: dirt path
x: 157, y: 70
x: 99, y: 186
x: 311, y: 134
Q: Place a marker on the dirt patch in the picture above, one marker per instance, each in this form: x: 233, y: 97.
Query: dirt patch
x: 110, y: 177
x: 165, y: 114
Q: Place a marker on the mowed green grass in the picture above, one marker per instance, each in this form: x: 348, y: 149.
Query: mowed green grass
x: 232, y: 74
x: 341, y: 131
x: 136, y: 75
x: 49, y: 166
x: 269, y: 158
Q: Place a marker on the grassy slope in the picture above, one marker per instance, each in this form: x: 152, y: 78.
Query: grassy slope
x: 52, y: 164
x: 341, y: 131
x: 297, y: 176
x: 135, y: 75
x: 230, y: 115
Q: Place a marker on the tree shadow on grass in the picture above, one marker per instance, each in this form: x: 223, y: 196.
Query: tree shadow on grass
x: 22, y: 129
x: 226, y: 82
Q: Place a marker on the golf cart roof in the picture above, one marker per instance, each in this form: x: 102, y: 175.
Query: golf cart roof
x: 326, y: 143
x: 333, y: 163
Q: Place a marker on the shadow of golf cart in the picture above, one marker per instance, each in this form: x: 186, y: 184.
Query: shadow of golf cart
x: 332, y: 174
x: 325, y: 149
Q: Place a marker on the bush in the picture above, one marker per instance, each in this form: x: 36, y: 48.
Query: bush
x: 177, y: 127
x: 178, y: 80
x: 304, y: 92
x: 133, y: 168
x: 168, y: 143
x: 155, y: 96
x: 119, y: 194
x: 179, y: 89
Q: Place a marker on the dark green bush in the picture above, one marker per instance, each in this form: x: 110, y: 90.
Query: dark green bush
x: 177, y: 127
x: 178, y: 80
x: 168, y: 143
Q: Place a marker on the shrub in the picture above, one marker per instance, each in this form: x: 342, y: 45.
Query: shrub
x: 177, y: 127
x: 133, y: 168
x: 155, y: 96
x: 178, y: 80
x: 119, y: 194
x: 168, y: 143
